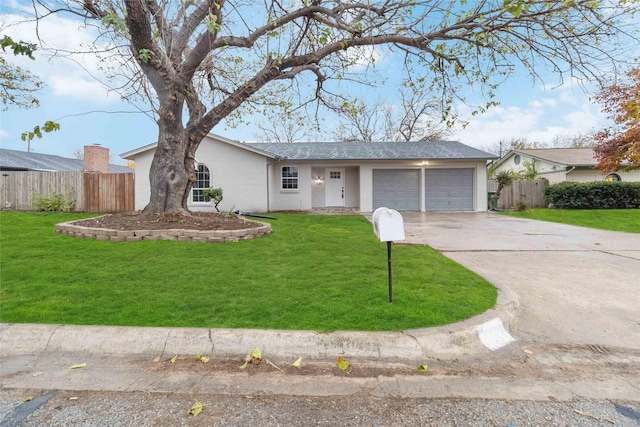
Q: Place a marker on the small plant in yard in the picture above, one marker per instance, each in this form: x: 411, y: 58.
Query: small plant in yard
x: 214, y: 194
x: 56, y: 202
x: 521, y: 205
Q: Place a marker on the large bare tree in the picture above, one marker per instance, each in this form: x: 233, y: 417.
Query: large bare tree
x: 202, y: 61
x: 415, y: 115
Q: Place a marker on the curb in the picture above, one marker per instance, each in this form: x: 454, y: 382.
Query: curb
x: 408, y: 346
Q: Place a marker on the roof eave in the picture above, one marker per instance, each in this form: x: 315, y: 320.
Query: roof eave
x: 130, y: 155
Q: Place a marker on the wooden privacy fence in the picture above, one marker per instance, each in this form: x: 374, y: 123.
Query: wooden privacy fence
x: 111, y: 192
x: 531, y: 192
x: 92, y: 192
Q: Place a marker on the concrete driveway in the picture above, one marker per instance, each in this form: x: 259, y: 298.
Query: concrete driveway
x: 575, y: 285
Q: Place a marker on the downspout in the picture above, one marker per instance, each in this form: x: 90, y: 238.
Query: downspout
x: 268, y: 185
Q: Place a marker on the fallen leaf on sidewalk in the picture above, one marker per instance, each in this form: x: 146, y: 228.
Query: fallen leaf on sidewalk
x: 297, y: 363
x: 78, y: 366
x: 37, y: 374
x: 343, y: 364
x: 255, y: 358
x: 157, y: 359
x: 423, y: 368
x: 27, y: 398
x: 196, y: 409
x: 528, y: 351
x: 256, y: 353
x: 174, y: 358
x: 202, y: 359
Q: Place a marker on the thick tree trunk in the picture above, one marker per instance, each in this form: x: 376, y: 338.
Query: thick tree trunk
x: 172, y: 172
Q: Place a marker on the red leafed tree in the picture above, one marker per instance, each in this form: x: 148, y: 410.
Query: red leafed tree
x: 620, y: 144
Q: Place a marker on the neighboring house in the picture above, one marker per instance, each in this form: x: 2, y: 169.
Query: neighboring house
x: 260, y: 177
x: 562, y: 164
x: 13, y: 160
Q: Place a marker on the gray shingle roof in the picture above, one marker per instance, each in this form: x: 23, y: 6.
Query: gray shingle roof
x: 23, y: 161
x: 438, y: 150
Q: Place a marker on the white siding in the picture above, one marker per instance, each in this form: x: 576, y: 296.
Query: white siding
x: 290, y: 200
x: 590, y: 175
x: 143, y: 187
x: 541, y: 165
x: 240, y: 173
x: 351, y: 188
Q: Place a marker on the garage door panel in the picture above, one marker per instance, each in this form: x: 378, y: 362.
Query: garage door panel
x: 449, y: 189
x: 396, y: 189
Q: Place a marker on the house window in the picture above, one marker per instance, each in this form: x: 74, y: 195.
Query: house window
x: 289, y: 177
x: 516, y: 159
x: 612, y: 177
x: 202, y: 182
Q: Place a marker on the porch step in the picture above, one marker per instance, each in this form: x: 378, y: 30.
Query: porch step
x: 335, y: 211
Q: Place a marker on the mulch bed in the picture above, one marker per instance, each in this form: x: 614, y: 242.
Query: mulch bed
x: 191, y: 221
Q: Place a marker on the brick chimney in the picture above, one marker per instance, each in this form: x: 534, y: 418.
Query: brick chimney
x: 96, y: 159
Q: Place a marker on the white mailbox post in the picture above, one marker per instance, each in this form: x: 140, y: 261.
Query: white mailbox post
x: 388, y: 226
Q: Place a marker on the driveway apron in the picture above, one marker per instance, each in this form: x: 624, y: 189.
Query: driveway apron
x: 575, y: 285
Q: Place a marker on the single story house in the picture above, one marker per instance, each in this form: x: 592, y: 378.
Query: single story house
x: 14, y: 160
x: 261, y: 177
x: 562, y: 164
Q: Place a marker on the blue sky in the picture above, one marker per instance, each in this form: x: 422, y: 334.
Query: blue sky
x: 90, y: 114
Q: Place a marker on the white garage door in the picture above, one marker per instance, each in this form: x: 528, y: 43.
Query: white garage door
x: 397, y: 189
x: 448, y: 189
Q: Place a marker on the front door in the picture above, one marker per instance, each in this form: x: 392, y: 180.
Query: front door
x: 334, y: 187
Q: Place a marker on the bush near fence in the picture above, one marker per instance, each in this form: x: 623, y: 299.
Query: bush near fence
x: 594, y: 195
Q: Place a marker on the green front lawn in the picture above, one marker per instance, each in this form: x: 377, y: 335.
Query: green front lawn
x: 315, y: 272
x: 627, y: 220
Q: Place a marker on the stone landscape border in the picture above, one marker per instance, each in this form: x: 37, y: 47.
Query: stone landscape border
x: 207, y: 236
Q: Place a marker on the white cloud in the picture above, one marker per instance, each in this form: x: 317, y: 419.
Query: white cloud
x: 361, y: 56
x: 70, y: 75
x: 80, y: 88
x: 556, y: 114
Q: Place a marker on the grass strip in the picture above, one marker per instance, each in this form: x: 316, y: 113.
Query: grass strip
x: 626, y: 220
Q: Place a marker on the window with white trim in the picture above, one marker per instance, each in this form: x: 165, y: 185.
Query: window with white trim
x: 289, y: 177
x: 202, y: 182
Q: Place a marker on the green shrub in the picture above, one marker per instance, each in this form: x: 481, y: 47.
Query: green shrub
x: 521, y: 206
x: 214, y: 194
x: 594, y: 195
x: 56, y: 202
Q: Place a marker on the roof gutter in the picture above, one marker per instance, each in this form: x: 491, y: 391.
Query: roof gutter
x: 550, y: 172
